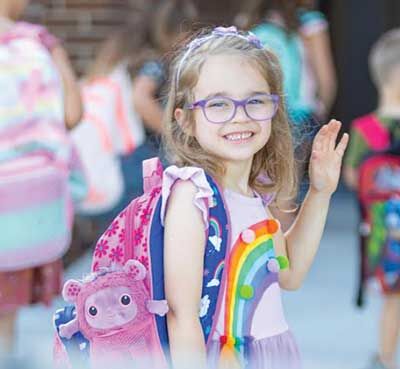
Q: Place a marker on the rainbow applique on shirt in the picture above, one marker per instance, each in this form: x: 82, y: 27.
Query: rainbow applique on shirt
x: 250, y: 262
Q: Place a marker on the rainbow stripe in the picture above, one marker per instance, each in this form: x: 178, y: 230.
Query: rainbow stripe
x: 247, y: 270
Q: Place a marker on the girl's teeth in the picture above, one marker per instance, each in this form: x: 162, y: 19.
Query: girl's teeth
x: 239, y: 136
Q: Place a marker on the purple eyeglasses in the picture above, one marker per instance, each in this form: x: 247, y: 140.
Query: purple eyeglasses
x: 222, y: 109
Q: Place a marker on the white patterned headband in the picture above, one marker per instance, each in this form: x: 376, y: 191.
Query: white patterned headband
x: 216, y: 33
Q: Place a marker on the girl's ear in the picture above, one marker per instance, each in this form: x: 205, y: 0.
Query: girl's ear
x: 182, y: 119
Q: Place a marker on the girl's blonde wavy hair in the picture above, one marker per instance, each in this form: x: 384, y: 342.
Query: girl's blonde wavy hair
x: 273, y: 168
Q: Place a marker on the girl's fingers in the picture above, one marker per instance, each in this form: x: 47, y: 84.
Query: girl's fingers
x: 341, y: 147
x: 325, y: 140
x: 317, y: 143
x: 327, y: 137
x: 321, y: 138
x: 333, y: 133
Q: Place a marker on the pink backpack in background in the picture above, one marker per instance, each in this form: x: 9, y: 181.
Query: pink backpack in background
x: 40, y: 173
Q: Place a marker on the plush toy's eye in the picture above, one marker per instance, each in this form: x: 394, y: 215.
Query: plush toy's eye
x: 92, y: 311
x: 125, y: 300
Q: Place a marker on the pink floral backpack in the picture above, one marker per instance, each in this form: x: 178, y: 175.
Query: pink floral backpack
x: 125, y: 290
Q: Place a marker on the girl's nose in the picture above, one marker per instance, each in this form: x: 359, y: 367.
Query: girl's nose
x: 240, y: 115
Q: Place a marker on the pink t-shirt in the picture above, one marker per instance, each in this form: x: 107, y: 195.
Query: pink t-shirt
x: 268, y: 318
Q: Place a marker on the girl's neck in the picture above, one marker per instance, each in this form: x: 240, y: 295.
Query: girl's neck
x: 237, y: 176
x: 389, y: 109
x: 389, y: 104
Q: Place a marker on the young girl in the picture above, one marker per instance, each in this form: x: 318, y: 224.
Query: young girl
x: 128, y: 74
x: 41, y: 96
x: 129, y: 62
x: 225, y: 117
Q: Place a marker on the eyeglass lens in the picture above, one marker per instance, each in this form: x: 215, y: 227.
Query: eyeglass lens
x: 222, y: 109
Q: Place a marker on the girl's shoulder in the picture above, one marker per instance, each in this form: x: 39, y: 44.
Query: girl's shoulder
x: 189, y: 184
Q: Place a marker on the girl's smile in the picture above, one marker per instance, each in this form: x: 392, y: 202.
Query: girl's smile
x: 239, y: 137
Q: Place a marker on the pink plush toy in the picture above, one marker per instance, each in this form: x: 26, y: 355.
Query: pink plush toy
x: 115, y: 314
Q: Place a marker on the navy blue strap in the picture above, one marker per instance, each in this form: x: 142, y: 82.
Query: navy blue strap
x: 156, y: 256
x: 77, y: 346
x: 214, y: 257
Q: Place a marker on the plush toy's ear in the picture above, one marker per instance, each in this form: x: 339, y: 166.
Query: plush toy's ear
x: 71, y: 290
x: 136, y: 269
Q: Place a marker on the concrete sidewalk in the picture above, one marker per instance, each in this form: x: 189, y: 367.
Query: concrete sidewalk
x: 330, y: 331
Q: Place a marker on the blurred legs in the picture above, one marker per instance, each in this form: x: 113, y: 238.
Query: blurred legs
x: 7, y: 333
x: 389, y: 329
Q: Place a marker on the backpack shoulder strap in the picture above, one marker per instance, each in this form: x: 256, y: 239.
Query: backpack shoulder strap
x: 214, y: 260
x: 218, y: 239
x: 373, y: 131
x: 152, y: 174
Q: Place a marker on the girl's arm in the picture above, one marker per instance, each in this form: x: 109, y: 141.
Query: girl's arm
x: 319, y: 50
x: 301, y: 241
x: 184, y: 241
x: 145, y: 103
x: 72, y: 97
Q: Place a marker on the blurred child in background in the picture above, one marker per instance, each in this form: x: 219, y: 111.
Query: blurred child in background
x: 123, y: 107
x: 40, y: 99
x: 171, y: 22
x: 110, y: 127
x: 122, y: 123
x: 298, y: 35
x: 371, y: 134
